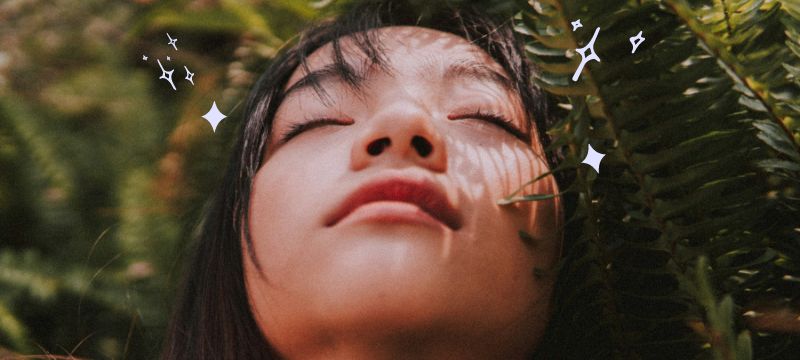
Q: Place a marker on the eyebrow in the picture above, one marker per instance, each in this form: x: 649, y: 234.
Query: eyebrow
x: 335, y: 72
x: 331, y: 72
x: 478, y: 71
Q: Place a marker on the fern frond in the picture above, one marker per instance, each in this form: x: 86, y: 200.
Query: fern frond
x: 681, y: 177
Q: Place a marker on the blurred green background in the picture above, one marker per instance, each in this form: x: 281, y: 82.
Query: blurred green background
x: 104, y: 168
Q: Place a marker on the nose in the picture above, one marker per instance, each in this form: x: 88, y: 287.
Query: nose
x: 401, y: 133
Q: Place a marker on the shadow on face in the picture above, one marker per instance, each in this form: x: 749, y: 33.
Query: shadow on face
x: 374, y: 217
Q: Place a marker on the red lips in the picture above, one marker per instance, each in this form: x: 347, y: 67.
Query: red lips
x: 423, y: 194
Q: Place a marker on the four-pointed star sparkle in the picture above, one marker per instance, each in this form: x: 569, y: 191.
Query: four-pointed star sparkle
x: 576, y: 24
x: 585, y: 59
x: 172, y: 41
x: 189, y: 75
x: 636, y: 41
x: 593, y: 159
x: 166, y: 75
x: 213, y: 116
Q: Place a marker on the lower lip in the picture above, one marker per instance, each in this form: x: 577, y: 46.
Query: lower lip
x: 391, y: 212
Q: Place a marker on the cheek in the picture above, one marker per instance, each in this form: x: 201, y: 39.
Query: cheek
x: 494, y: 171
x: 287, y: 191
x: 488, y: 174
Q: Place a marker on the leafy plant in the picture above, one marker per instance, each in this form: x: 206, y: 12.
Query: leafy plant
x: 700, y: 127
x: 104, y: 170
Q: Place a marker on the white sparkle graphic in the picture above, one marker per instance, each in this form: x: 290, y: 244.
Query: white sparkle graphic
x: 144, y: 57
x: 168, y: 58
x: 189, y: 75
x: 576, y: 24
x: 172, y: 41
x: 214, y: 117
x: 636, y: 41
x: 593, y: 159
x: 585, y: 59
x: 166, y: 75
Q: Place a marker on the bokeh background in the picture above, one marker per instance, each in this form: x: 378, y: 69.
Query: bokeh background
x: 104, y: 168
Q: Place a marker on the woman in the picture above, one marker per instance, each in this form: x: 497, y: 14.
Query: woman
x: 359, y: 218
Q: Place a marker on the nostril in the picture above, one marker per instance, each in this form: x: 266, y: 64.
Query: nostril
x: 376, y: 147
x: 422, y: 145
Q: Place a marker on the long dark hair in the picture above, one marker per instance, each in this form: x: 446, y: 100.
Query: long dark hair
x: 212, y: 317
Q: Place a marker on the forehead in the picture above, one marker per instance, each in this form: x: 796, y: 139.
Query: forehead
x: 406, y: 50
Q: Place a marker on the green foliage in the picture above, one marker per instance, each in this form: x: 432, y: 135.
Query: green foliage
x: 104, y: 169
x: 700, y: 127
x: 719, y: 317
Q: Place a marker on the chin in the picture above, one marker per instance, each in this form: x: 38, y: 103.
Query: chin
x: 401, y: 253
x: 384, y: 279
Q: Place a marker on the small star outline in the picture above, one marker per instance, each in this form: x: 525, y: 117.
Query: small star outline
x: 576, y: 24
x: 636, y: 41
x: 166, y: 75
x: 172, y: 42
x: 189, y: 75
x: 585, y: 59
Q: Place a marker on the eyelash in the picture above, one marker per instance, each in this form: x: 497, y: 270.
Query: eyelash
x: 496, y: 119
x: 297, y: 129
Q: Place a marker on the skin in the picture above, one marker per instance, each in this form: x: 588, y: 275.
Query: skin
x: 375, y: 290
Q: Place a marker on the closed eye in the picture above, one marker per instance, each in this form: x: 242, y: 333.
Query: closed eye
x: 495, y: 119
x: 297, y: 129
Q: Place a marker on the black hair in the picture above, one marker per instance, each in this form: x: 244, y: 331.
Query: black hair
x: 212, y: 317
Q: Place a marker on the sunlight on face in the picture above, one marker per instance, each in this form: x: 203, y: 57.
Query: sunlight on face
x: 376, y: 208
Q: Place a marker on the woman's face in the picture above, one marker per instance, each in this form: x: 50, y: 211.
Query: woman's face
x: 379, y: 211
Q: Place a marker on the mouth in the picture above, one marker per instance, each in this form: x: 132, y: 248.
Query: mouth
x: 424, y: 195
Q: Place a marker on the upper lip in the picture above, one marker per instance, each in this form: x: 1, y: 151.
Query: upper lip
x: 424, y: 194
